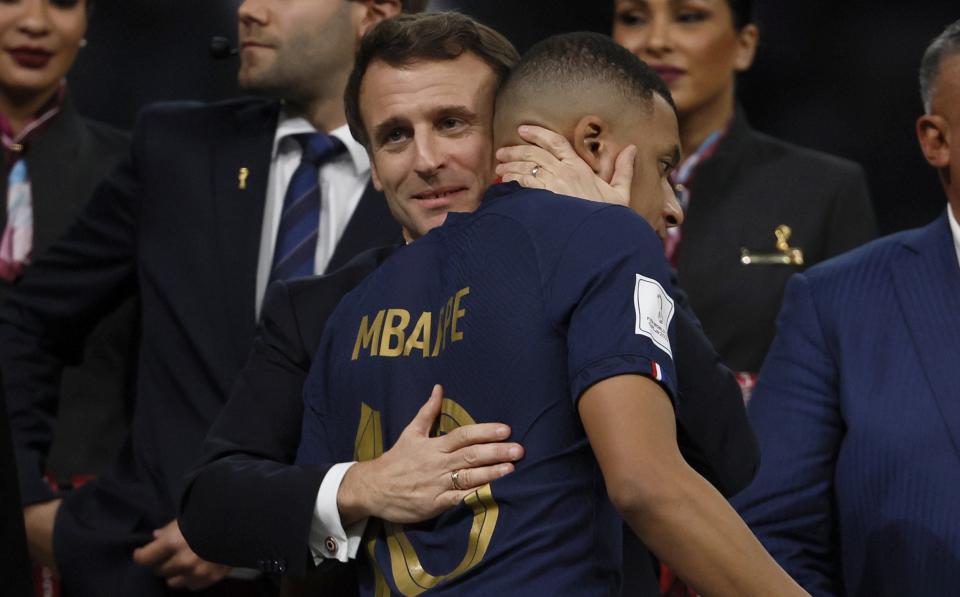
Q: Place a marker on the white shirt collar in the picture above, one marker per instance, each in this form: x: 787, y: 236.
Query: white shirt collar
x: 294, y: 125
x: 955, y: 229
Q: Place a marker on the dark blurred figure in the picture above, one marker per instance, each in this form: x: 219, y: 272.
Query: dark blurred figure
x: 858, y: 405
x: 15, y: 565
x: 757, y: 209
x: 52, y: 160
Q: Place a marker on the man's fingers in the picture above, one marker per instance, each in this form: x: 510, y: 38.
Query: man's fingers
x: 482, y: 455
x: 154, y: 553
x: 519, y: 168
x: 525, y: 180
x: 198, y: 575
x: 180, y: 564
x: 479, y: 433
x: 428, y: 413
x: 527, y: 153
x: 623, y: 169
x: 471, y: 478
x: 556, y: 144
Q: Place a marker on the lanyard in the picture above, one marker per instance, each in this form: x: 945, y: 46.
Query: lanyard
x: 685, y: 172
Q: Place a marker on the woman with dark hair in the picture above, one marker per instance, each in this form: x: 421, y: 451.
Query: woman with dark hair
x: 52, y: 159
x: 757, y: 209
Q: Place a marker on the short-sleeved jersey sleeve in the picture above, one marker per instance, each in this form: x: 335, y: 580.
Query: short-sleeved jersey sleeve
x: 609, y: 291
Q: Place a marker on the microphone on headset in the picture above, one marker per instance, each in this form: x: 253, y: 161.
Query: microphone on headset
x: 220, y: 48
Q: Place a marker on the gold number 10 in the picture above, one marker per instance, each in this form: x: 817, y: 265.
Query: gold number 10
x: 408, y: 573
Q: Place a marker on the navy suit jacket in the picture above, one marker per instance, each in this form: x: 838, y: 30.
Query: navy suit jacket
x: 172, y: 226
x: 857, y: 410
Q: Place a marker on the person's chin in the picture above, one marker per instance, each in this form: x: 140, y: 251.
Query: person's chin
x: 32, y: 82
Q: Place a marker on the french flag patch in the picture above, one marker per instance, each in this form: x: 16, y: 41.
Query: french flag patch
x: 656, y: 371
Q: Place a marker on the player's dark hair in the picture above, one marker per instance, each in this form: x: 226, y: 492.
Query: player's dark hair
x: 582, y: 60
x: 410, y: 38
x: 945, y: 44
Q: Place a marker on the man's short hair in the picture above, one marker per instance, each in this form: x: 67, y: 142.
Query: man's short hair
x: 407, y: 39
x: 945, y: 44
x: 584, y: 61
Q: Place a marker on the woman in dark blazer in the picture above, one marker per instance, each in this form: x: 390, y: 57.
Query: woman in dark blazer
x: 52, y: 160
x: 757, y: 209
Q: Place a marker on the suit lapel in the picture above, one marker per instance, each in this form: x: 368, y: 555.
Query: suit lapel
x: 927, y: 278
x: 239, y: 197
x: 52, y: 180
x: 371, y: 225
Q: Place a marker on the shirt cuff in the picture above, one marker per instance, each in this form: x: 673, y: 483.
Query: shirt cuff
x: 328, y: 538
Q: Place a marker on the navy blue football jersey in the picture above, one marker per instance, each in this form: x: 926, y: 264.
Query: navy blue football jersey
x: 516, y: 309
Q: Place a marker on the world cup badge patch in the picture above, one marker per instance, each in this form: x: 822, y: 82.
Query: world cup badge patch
x: 654, y: 310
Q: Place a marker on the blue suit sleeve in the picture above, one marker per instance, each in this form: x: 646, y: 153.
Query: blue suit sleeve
x: 795, y: 412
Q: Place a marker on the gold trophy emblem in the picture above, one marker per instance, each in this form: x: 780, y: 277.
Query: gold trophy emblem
x: 787, y: 255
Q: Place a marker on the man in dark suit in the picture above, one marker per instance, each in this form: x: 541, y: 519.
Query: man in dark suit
x: 857, y: 407
x: 243, y: 457
x: 176, y: 224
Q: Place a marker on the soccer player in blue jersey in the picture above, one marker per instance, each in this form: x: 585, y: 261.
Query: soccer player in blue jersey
x: 549, y: 313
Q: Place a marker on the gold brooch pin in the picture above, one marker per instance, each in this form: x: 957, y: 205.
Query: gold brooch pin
x: 242, y: 178
x: 787, y: 255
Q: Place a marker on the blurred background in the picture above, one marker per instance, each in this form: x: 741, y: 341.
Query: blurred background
x: 839, y: 76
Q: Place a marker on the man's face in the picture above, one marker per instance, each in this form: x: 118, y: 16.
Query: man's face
x: 289, y: 48
x: 429, y: 126
x: 657, y: 138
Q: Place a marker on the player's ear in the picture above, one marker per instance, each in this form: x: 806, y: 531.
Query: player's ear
x: 591, y: 141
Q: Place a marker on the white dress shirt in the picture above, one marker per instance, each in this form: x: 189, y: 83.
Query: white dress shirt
x: 955, y: 229
x: 342, y: 183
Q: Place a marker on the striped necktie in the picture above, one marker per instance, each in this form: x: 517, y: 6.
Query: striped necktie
x: 296, y: 246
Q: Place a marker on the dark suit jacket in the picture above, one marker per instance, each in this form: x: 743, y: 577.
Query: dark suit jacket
x: 250, y: 447
x: 65, y: 163
x: 172, y: 226
x: 858, y: 414
x: 751, y: 185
